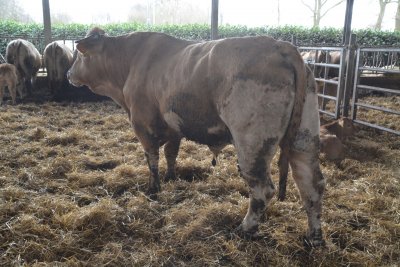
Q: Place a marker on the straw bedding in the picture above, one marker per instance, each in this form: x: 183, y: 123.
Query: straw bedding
x: 72, y: 177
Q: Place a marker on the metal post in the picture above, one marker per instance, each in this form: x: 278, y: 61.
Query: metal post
x: 214, y: 20
x: 351, y: 63
x: 347, y: 22
x: 46, y: 22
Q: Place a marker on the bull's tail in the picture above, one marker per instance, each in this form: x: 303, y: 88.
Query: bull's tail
x: 294, y: 124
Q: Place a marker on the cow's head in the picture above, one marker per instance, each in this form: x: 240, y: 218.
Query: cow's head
x: 86, y: 58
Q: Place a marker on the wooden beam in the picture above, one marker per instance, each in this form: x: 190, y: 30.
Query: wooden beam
x: 46, y: 22
x: 214, y: 20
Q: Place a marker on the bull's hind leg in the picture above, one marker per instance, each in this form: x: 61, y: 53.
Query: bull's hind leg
x: 254, y: 162
x: 311, y: 184
x: 305, y: 165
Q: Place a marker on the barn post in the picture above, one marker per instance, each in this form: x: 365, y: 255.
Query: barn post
x: 46, y: 22
x: 214, y: 20
x: 349, y: 50
x: 347, y: 22
x: 350, y: 71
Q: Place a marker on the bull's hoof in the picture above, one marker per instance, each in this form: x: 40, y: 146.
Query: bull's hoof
x: 314, y: 240
x: 169, y: 176
x: 152, y: 193
x: 251, y: 234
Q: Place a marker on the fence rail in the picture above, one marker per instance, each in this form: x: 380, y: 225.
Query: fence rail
x: 392, y: 60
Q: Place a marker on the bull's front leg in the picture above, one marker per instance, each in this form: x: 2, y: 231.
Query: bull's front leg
x: 151, y: 149
x: 152, y: 158
x: 171, y: 150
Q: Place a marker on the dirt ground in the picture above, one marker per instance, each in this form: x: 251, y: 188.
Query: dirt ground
x: 72, y: 183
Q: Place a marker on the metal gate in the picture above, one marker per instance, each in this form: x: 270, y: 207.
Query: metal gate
x: 328, y: 68
x: 340, y: 94
x: 378, y: 63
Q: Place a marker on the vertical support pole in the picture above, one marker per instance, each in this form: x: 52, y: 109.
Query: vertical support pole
x: 350, y: 71
x: 294, y: 40
x: 349, y: 56
x: 214, y: 20
x: 347, y: 22
x: 46, y: 22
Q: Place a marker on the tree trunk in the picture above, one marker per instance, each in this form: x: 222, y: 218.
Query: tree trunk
x: 397, y: 19
x: 382, y: 7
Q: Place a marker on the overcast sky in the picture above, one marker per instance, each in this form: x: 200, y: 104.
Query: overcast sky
x: 250, y: 12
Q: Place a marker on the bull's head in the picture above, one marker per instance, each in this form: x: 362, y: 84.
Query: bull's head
x: 85, y: 57
x: 92, y: 41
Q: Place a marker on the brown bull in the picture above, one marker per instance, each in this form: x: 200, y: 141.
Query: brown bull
x: 246, y: 91
x: 9, y: 79
x: 26, y: 58
x: 57, y: 59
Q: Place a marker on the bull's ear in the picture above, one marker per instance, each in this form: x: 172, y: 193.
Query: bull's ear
x: 92, y: 42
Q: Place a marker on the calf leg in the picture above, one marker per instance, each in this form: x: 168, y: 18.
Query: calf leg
x: 13, y: 92
x: 171, y: 150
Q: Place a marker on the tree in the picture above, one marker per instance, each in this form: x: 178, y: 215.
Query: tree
x: 168, y: 12
x: 382, y: 9
x: 61, y: 18
x: 139, y: 13
x: 397, y: 19
x: 10, y: 9
x: 320, y: 9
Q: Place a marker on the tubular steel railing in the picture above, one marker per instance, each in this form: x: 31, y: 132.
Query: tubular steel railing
x: 322, y: 67
x: 375, y: 61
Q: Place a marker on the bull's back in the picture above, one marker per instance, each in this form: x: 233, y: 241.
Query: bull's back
x: 24, y: 56
x: 260, y: 70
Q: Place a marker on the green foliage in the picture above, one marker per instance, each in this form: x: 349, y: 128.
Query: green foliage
x: 304, y: 36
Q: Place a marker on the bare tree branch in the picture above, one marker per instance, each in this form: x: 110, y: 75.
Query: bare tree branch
x: 335, y: 5
x: 308, y: 6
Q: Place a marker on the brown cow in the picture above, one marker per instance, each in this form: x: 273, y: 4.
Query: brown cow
x: 246, y: 91
x: 57, y: 59
x: 9, y: 79
x: 27, y: 59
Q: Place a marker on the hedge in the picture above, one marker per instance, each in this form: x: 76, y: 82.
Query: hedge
x: 305, y: 36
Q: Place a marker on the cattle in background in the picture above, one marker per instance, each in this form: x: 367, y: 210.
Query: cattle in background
x: 27, y: 59
x: 9, y: 79
x: 253, y: 92
x: 57, y: 59
x: 332, y: 57
x: 314, y: 56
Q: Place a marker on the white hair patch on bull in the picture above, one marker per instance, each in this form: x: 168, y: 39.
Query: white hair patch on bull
x: 173, y: 121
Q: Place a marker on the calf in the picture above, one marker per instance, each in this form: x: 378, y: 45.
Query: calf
x: 331, y: 146
x: 9, y: 79
x: 342, y: 128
